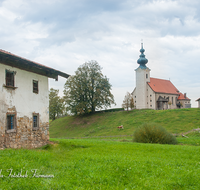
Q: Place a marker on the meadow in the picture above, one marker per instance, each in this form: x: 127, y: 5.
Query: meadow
x: 98, y: 164
x: 110, y: 164
x: 105, y: 124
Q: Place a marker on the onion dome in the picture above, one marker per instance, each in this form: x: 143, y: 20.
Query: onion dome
x: 142, y: 60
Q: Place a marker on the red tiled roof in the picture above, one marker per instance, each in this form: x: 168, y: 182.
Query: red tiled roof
x: 182, y: 97
x: 162, y: 86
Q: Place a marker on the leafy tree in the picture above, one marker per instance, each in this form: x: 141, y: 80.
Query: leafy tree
x: 56, y: 104
x: 128, y: 101
x: 88, y: 89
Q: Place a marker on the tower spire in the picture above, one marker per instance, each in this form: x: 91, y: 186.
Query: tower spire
x: 142, y: 60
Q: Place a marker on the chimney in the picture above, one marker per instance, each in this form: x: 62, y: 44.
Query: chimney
x: 184, y: 95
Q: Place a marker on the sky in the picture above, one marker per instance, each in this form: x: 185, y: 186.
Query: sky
x: 64, y: 34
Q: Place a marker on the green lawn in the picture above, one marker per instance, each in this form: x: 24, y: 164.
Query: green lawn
x: 105, y: 124
x: 98, y: 164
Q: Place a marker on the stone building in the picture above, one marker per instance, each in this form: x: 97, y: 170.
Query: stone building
x: 24, y: 101
x: 156, y: 93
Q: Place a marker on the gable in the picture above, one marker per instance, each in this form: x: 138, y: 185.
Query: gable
x: 162, y: 86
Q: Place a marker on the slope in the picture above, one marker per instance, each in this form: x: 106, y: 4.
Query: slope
x: 105, y: 124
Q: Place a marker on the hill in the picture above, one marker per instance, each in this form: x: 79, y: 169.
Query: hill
x: 105, y: 124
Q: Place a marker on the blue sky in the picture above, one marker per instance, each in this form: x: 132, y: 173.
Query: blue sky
x: 65, y: 34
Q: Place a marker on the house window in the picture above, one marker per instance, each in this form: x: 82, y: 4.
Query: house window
x: 35, y: 121
x: 35, y: 86
x: 11, y: 121
x: 10, y: 78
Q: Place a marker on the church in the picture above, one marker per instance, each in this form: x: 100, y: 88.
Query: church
x: 154, y: 93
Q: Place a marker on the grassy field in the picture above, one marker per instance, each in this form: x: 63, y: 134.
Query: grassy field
x: 117, y: 164
x: 96, y: 164
x: 105, y: 124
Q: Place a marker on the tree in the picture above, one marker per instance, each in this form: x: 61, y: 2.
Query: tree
x: 88, y: 89
x: 128, y: 101
x: 56, y: 104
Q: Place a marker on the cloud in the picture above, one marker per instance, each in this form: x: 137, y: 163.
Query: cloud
x: 64, y: 34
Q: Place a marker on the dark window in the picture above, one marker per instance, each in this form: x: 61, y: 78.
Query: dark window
x: 10, y: 121
x: 35, y: 86
x: 172, y: 101
x: 35, y: 121
x: 147, y: 76
x: 10, y: 78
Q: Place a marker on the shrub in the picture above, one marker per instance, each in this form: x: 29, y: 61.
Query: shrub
x: 152, y: 133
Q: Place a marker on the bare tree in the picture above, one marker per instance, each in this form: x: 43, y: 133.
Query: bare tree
x: 128, y: 101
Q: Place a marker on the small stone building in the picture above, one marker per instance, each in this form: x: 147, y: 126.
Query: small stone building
x: 154, y: 93
x: 24, y: 101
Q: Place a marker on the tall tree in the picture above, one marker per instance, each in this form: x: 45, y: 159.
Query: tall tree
x: 88, y: 89
x: 56, y: 104
x: 128, y: 101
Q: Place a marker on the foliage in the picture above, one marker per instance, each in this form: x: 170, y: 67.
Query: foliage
x: 93, y: 164
x: 88, y: 89
x: 128, y: 102
x: 153, y: 133
x: 56, y: 104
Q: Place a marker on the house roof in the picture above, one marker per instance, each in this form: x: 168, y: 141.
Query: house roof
x: 12, y: 60
x: 198, y: 99
x: 162, y: 86
x: 182, y: 97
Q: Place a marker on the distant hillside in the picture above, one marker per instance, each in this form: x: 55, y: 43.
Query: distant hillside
x: 105, y: 124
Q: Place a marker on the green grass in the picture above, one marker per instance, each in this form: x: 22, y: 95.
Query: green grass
x: 105, y: 124
x: 96, y: 164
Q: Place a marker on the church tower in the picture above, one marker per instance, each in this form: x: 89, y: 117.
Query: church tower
x: 142, y: 77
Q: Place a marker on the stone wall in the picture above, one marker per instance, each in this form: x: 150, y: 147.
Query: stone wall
x: 24, y: 135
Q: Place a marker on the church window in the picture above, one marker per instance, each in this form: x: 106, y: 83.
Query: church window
x: 147, y: 76
x: 172, y: 101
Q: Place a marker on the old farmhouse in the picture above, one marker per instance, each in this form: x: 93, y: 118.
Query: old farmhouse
x: 156, y: 93
x: 24, y: 101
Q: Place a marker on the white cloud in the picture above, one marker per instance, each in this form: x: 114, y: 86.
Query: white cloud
x: 64, y: 34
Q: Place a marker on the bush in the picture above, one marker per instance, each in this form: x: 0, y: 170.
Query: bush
x: 152, y: 133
